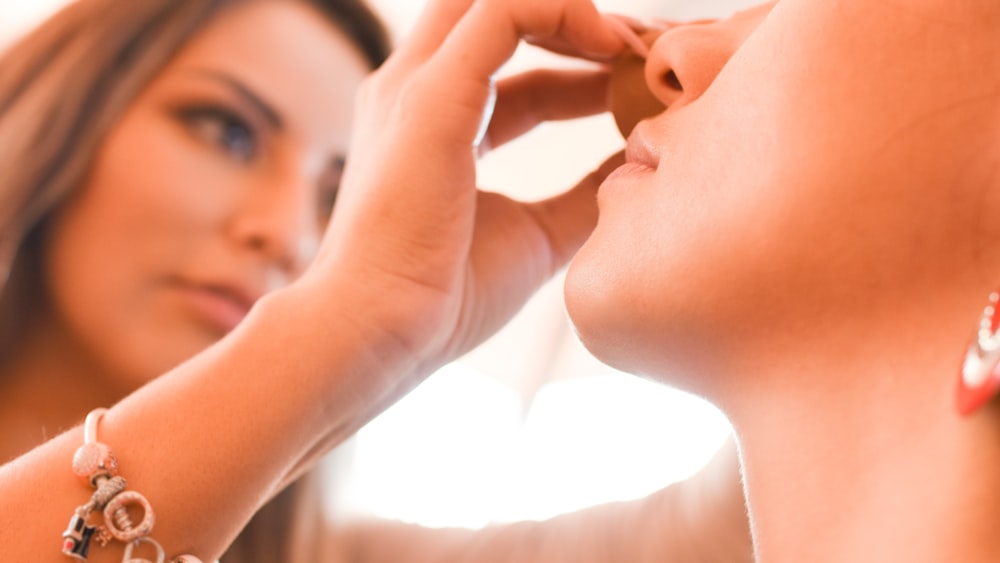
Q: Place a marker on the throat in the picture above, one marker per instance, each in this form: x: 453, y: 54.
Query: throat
x: 47, y: 388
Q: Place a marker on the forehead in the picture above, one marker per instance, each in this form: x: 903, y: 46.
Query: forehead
x: 287, y: 52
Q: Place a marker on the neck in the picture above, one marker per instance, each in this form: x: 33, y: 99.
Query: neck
x: 47, y: 386
x: 870, y: 461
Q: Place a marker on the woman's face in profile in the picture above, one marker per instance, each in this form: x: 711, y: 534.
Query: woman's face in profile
x: 810, y: 170
x: 212, y: 189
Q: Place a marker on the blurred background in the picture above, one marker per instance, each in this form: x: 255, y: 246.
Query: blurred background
x: 529, y: 425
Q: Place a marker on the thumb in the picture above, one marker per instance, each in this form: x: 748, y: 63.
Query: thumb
x: 569, y: 217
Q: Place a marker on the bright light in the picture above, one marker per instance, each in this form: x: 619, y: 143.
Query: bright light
x: 457, y: 453
x: 604, y: 438
x: 18, y: 16
x: 437, y: 456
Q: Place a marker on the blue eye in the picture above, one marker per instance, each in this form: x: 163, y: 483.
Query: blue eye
x: 222, y: 128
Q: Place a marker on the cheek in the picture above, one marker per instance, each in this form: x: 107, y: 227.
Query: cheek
x: 797, y: 192
x: 636, y: 292
x: 161, y: 177
x: 745, y: 240
x: 136, y: 222
x: 138, y: 209
x: 687, y: 265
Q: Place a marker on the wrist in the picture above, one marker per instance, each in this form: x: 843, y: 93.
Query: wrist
x: 345, y: 358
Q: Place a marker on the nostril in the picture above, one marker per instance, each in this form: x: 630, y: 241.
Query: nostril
x: 672, y: 81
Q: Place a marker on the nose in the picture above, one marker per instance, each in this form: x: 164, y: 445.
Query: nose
x: 278, y: 222
x: 685, y: 60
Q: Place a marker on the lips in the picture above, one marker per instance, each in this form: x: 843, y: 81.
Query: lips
x: 220, y: 306
x: 638, y: 150
x: 639, y: 158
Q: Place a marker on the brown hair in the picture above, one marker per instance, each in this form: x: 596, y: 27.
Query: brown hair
x: 62, y: 88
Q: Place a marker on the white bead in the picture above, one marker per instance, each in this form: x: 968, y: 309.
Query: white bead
x: 132, y: 545
x: 117, y: 521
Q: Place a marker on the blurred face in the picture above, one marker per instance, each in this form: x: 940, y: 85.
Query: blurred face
x: 819, y: 163
x: 211, y: 190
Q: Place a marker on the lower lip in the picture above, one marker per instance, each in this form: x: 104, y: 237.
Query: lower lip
x: 629, y: 169
x: 212, y: 308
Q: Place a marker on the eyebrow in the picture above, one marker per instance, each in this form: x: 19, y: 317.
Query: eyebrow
x: 242, y: 90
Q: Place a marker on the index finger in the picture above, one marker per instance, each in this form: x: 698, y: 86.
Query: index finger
x: 489, y: 32
x: 433, y: 25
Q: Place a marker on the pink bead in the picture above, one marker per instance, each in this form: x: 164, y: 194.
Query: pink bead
x: 93, y: 460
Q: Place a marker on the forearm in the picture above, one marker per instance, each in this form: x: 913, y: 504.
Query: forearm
x: 209, y: 442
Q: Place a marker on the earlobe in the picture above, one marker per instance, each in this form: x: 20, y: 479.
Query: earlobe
x: 979, y: 377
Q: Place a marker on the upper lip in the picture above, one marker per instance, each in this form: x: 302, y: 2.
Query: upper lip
x: 242, y: 294
x: 639, y: 151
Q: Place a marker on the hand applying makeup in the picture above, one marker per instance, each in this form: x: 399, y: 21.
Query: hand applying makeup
x: 442, y: 264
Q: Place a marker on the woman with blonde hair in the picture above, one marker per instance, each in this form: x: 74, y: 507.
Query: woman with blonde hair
x: 152, y: 148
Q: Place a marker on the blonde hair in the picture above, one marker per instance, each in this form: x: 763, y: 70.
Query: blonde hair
x: 62, y: 88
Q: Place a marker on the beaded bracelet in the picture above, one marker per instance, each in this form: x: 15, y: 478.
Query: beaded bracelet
x: 96, y: 465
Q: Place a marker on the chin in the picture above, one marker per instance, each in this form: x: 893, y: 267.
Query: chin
x: 601, y: 309
x: 655, y: 334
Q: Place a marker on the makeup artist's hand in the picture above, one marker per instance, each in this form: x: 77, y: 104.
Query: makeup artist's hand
x: 426, y: 260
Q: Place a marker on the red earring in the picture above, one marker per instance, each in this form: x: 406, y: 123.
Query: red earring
x: 979, y: 379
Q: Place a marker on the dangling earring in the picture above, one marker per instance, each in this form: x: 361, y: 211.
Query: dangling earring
x: 979, y: 379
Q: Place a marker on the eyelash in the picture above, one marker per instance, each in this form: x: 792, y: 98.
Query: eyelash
x: 211, y: 123
x: 218, y: 126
